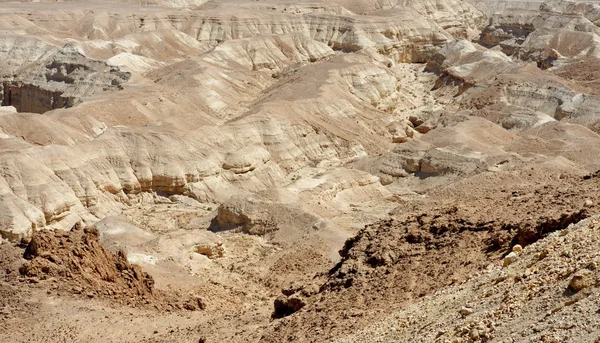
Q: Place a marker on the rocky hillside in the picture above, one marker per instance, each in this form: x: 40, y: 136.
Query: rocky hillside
x: 542, y: 293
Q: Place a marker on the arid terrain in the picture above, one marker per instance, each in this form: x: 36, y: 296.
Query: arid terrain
x: 299, y: 171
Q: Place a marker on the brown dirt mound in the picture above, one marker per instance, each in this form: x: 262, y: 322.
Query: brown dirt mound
x: 86, y: 266
x: 83, y: 266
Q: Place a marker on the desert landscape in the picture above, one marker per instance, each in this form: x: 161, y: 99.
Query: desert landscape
x: 299, y: 171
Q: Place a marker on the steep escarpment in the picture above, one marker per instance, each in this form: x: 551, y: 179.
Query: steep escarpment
x: 58, y: 81
x: 338, y: 28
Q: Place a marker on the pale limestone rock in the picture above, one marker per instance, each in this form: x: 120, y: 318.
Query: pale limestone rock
x: 260, y: 214
x: 246, y: 159
x: 465, y: 311
x: 509, y: 259
x: 275, y: 53
x: 400, y: 132
x: 208, y: 111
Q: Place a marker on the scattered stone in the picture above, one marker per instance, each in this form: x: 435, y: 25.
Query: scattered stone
x: 211, y: 251
x: 554, y: 54
x: 425, y: 127
x: 400, y: 137
x: 286, y: 305
x: 401, y: 132
x: 415, y: 120
x: 582, y: 279
x: 194, y: 304
x: 509, y: 259
x: 543, y: 254
x: 517, y: 248
x: 310, y: 290
x: 465, y: 311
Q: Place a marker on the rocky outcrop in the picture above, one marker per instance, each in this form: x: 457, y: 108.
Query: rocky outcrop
x: 438, y: 249
x: 253, y: 138
x: 547, y: 288
x: 238, y: 117
x: 259, y: 215
x: 33, y: 98
x: 276, y: 53
x: 489, y: 82
x: 59, y: 81
x: 533, y: 34
x: 410, y: 34
x: 78, y: 258
x: 341, y: 33
x: 463, y: 64
x: 463, y: 148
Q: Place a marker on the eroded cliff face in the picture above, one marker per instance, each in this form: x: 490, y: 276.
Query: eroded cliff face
x: 329, y: 24
x: 58, y: 81
x: 30, y: 98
